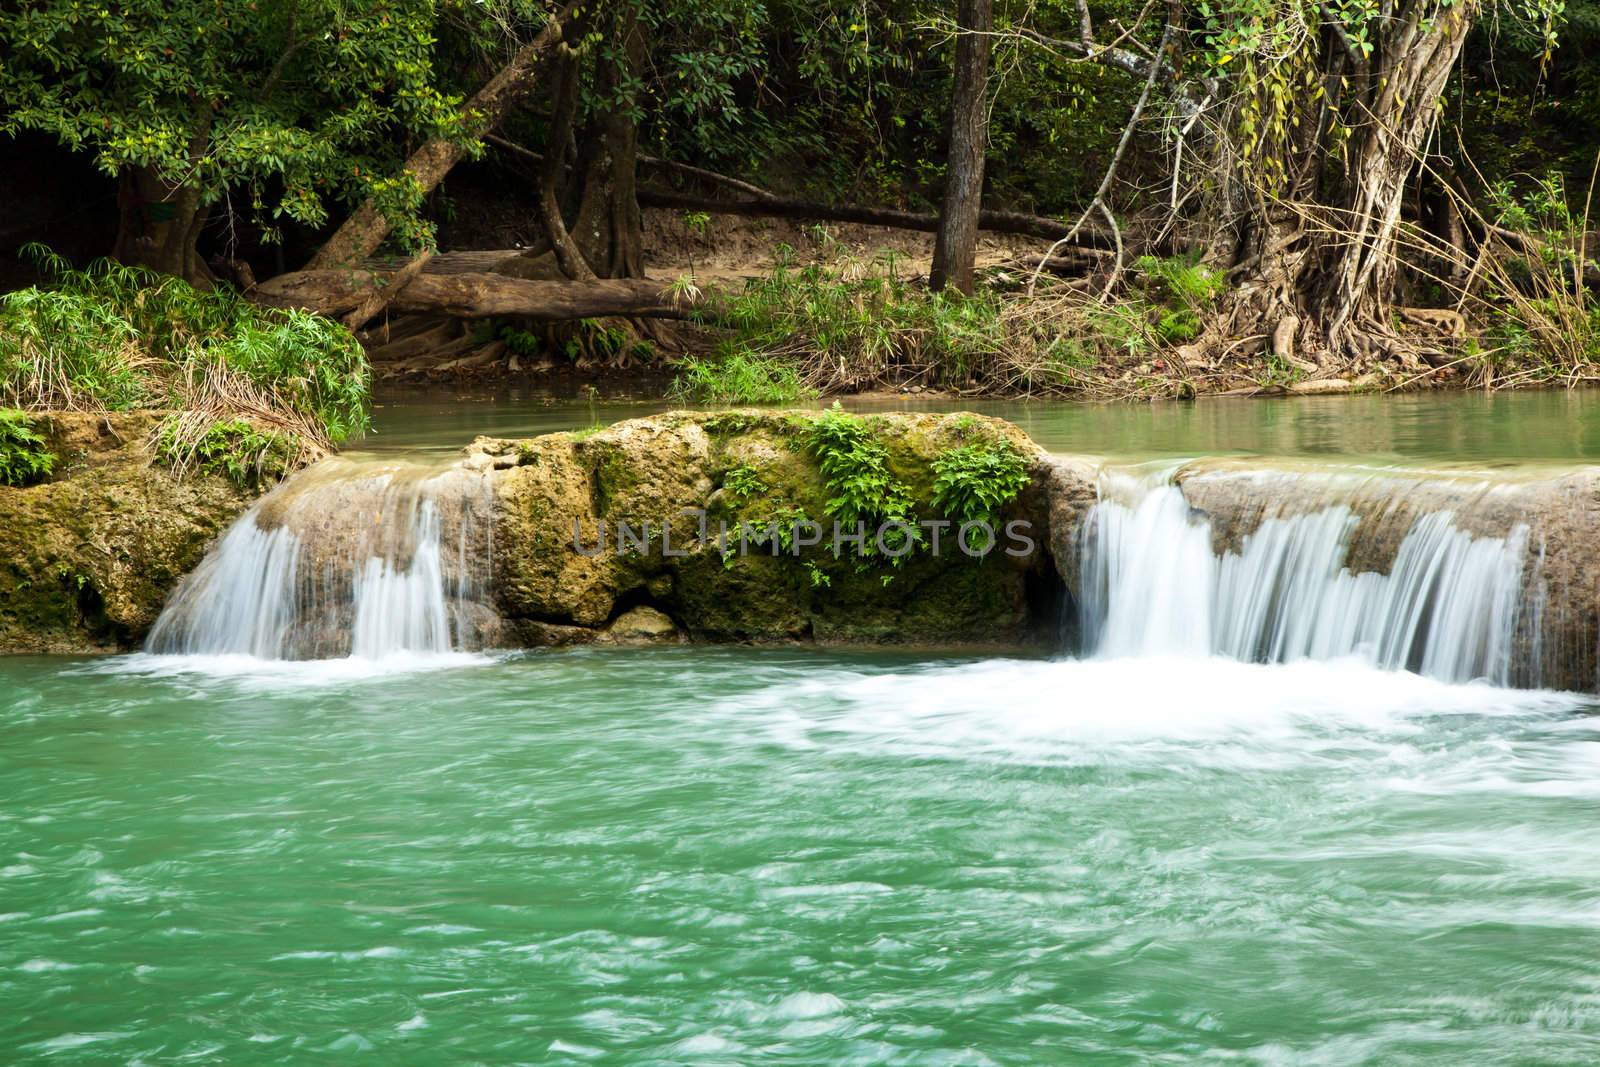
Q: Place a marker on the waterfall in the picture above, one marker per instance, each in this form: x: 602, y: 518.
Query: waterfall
x: 344, y: 559
x: 1155, y: 582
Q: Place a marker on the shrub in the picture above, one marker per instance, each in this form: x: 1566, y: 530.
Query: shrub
x: 113, y: 338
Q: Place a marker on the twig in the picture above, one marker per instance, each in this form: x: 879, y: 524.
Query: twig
x: 1098, y: 200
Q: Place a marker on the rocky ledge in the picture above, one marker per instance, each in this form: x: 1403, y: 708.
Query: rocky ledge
x: 88, y: 557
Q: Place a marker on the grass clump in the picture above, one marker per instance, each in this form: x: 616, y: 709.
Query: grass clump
x: 233, y: 448
x: 1544, y: 319
x: 739, y: 377
x: 116, y: 338
x: 24, y: 459
x: 849, y: 325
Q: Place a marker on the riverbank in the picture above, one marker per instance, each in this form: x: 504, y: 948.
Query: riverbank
x: 771, y: 311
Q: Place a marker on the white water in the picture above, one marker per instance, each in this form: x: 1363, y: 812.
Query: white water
x: 343, y: 562
x: 1153, y: 585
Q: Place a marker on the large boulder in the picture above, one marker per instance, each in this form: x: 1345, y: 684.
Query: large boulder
x: 87, y: 558
x: 690, y: 476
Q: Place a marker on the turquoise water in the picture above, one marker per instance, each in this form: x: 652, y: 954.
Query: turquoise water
x: 731, y: 856
x: 1561, y: 426
x: 742, y: 856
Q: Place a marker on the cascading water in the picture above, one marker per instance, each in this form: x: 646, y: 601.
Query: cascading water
x: 1154, y: 582
x: 345, y: 559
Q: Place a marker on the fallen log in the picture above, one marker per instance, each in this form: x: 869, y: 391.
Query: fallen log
x: 335, y: 293
x: 380, y: 298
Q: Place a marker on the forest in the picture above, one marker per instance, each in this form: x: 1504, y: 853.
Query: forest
x: 1106, y: 199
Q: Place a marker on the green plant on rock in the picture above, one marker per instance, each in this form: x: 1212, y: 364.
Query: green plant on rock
x: 24, y: 459
x: 245, y: 454
x: 974, y: 482
x: 743, y: 482
x: 862, y: 490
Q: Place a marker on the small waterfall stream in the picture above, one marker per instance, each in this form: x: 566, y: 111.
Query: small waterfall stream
x: 345, y: 559
x: 1155, y: 581
x: 1434, y: 574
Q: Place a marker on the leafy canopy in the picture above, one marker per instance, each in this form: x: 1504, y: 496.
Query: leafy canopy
x: 298, y: 102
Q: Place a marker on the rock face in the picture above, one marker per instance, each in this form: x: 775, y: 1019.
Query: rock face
x: 679, y: 480
x: 87, y: 559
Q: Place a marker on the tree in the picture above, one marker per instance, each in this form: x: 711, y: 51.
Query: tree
x: 1299, y: 128
x: 1327, y: 122
x: 955, y: 246
x: 276, y: 109
x: 397, y: 198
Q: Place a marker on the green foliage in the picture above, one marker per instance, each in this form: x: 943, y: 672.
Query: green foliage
x: 743, y: 482
x: 1181, y: 291
x: 861, y: 488
x: 234, y: 448
x: 974, y: 482
x: 113, y: 338
x: 293, y: 103
x: 850, y: 325
x: 24, y: 459
x: 1545, y: 322
x: 738, y: 377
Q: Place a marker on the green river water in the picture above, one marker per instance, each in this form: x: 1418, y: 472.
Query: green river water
x: 741, y: 856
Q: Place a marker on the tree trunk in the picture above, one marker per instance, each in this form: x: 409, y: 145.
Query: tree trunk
x: 569, y: 257
x: 159, y: 224
x: 955, y: 245
x: 609, y: 228
x: 1318, y: 244
x: 363, y: 232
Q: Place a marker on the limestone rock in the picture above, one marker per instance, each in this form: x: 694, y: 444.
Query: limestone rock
x: 667, y: 475
x: 643, y: 626
x: 87, y: 559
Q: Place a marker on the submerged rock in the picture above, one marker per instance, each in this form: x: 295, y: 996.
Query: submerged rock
x: 87, y: 559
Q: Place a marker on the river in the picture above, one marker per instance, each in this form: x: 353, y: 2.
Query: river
x: 734, y: 855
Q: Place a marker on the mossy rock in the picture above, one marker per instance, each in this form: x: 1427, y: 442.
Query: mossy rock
x: 88, y: 558
x: 655, y: 469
